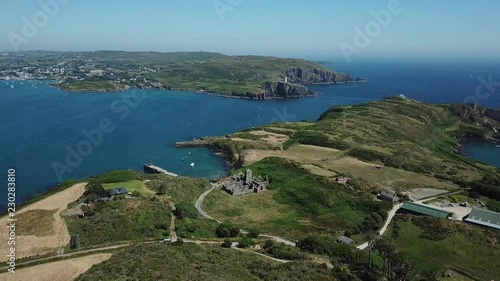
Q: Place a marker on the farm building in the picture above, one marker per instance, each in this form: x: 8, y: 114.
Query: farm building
x: 345, y: 240
x: 422, y: 210
x: 342, y: 180
x: 484, y: 217
x: 117, y: 191
x: 388, y: 196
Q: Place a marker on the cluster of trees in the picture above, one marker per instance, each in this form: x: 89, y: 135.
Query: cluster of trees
x: 353, y: 264
x: 396, y: 265
x: 227, y: 229
x: 488, y: 186
x: 93, y: 192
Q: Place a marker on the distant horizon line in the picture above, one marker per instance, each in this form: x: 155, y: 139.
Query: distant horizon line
x: 312, y: 56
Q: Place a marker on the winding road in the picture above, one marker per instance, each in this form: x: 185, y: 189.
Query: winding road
x: 199, y: 204
x: 199, y: 207
x: 381, y: 232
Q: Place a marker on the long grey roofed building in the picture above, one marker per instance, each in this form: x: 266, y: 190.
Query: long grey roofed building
x: 484, y: 217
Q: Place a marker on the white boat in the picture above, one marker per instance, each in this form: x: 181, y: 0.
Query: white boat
x: 497, y: 146
x: 12, y: 86
x: 192, y: 164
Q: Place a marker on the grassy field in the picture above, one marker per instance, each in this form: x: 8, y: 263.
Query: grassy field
x: 297, y: 203
x: 178, y: 189
x: 235, y: 75
x: 193, y: 262
x: 468, y: 247
x: 122, y: 220
x: 132, y: 186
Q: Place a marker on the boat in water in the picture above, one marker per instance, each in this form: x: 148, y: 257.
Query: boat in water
x: 12, y: 86
x: 192, y: 164
x: 497, y: 146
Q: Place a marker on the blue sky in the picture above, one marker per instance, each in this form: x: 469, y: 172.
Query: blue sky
x: 294, y: 28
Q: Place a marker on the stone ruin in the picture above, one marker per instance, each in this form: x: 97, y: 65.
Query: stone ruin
x: 244, y: 183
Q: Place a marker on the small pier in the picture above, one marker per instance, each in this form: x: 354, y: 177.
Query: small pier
x: 157, y: 170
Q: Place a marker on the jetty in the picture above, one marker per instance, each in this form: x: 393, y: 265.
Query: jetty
x: 157, y: 170
x: 203, y: 142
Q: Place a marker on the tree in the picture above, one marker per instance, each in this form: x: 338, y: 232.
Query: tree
x: 386, y: 249
x: 401, y: 266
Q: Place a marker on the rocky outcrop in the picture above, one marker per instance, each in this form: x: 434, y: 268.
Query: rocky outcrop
x: 286, y: 90
x: 316, y: 76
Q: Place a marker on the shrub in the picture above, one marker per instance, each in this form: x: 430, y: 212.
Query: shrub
x: 227, y: 243
x: 245, y: 242
x: 283, y: 251
x: 185, y: 210
x: 253, y: 233
x: 227, y: 229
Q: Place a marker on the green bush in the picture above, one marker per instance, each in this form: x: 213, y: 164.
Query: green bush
x: 227, y: 243
x: 245, y: 242
x: 185, y: 210
x: 283, y: 251
x: 227, y: 229
x: 253, y: 233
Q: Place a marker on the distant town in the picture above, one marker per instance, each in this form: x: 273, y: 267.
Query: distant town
x: 72, y: 67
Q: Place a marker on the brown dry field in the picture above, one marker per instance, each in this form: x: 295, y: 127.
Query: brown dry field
x: 300, y: 153
x: 46, y: 241
x: 271, y: 138
x: 328, y: 162
x: 65, y: 270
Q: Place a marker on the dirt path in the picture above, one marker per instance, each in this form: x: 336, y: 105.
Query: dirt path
x: 65, y: 270
x: 37, y: 245
x: 173, y: 234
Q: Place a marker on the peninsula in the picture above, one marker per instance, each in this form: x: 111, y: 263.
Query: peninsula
x: 252, y: 77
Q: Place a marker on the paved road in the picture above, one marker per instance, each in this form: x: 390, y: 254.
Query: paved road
x: 199, y: 204
x: 437, y: 196
x: 199, y: 207
x: 71, y: 254
x: 278, y: 239
x: 381, y: 232
x: 393, y: 211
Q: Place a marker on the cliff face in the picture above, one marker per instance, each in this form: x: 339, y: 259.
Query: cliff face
x: 316, y: 76
x: 286, y: 90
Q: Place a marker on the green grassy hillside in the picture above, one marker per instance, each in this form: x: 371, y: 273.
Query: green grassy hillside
x: 192, y: 262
